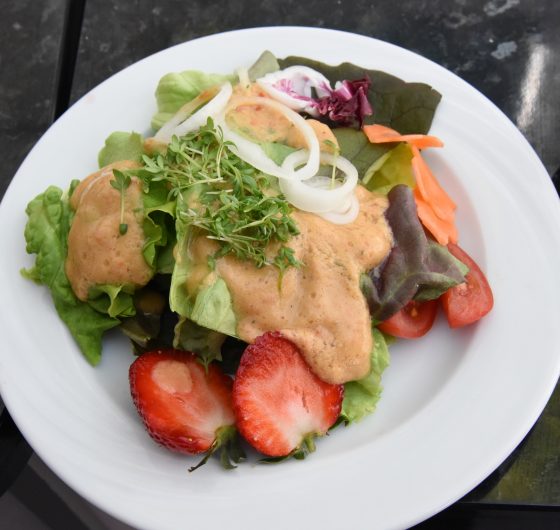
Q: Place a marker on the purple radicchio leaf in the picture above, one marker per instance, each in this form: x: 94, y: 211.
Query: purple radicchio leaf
x: 347, y: 104
x: 416, y: 267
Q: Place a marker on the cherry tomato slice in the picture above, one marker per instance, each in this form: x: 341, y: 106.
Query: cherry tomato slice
x: 414, y: 320
x: 470, y: 301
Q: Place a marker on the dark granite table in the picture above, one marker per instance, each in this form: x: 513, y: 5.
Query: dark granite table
x: 52, y: 52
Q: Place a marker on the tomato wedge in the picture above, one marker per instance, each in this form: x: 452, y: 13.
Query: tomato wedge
x: 470, y: 301
x: 414, y: 320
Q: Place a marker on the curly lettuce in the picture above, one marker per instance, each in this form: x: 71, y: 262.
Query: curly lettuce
x: 361, y: 397
x: 46, y: 234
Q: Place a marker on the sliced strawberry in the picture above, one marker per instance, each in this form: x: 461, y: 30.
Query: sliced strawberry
x: 279, y: 403
x: 183, y: 406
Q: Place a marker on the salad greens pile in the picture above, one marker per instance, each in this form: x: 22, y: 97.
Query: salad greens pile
x: 243, y: 211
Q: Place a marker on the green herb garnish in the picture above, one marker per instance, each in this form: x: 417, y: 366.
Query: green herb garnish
x: 121, y: 182
x: 218, y: 192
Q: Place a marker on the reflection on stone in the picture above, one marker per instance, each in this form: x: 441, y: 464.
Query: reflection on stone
x: 530, y: 85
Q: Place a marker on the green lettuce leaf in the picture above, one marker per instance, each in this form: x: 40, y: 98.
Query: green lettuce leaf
x: 211, y: 306
x: 416, y: 266
x: 158, y: 224
x: 121, y: 146
x: 265, y: 64
x: 406, y: 107
x: 394, y: 167
x: 355, y: 146
x: 277, y: 152
x: 206, y: 343
x: 114, y: 300
x: 46, y: 234
x: 160, y: 241
x: 179, y: 300
x: 361, y: 397
x: 176, y: 89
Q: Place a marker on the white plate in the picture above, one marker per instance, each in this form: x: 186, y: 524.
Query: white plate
x: 455, y: 403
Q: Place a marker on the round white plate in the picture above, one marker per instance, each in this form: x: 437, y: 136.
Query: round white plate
x: 456, y: 403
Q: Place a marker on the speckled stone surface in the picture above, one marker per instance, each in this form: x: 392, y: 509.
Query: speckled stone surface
x: 507, y: 49
x: 30, y: 40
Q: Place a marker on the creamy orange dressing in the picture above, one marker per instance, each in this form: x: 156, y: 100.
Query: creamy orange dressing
x: 264, y: 124
x: 320, y: 306
x: 97, y: 253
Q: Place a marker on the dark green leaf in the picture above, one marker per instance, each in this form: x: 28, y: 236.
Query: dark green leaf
x: 153, y: 324
x: 355, y: 146
x: 406, y: 107
x: 205, y: 342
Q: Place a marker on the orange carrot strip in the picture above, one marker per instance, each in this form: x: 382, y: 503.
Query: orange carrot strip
x: 379, y: 134
x: 424, y: 184
x: 418, y: 176
x: 434, y: 194
x: 435, y: 208
x: 443, y: 231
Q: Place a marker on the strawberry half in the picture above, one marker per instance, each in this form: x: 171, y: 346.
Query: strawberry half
x: 183, y: 406
x: 279, y: 403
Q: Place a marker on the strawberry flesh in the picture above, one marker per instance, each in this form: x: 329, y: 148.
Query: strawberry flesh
x: 279, y: 403
x: 181, y: 404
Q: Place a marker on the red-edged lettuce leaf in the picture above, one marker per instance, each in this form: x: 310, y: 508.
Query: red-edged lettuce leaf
x: 406, y: 107
x: 416, y: 267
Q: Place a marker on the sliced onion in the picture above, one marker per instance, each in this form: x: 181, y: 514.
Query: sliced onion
x: 347, y: 215
x: 243, y: 75
x: 253, y: 154
x: 180, y: 126
x: 166, y: 131
x: 302, y: 79
x: 315, y: 195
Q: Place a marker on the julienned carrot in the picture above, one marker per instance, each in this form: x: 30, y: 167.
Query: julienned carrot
x: 436, y: 210
x: 443, y: 231
x: 379, y: 134
x: 430, y: 189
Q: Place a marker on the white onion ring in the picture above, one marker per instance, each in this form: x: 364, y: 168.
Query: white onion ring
x: 253, y: 154
x: 179, y: 126
x: 243, y: 76
x: 314, y: 195
x: 304, y: 80
x: 165, y: 132
x: 347, y: 215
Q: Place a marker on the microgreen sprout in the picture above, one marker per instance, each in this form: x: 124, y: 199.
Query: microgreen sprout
x: 121, y: 182
x: 336, y: 153
x: 219, y: 193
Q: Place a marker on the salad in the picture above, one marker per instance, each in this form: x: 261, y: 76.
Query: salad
x: 261, y: 250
